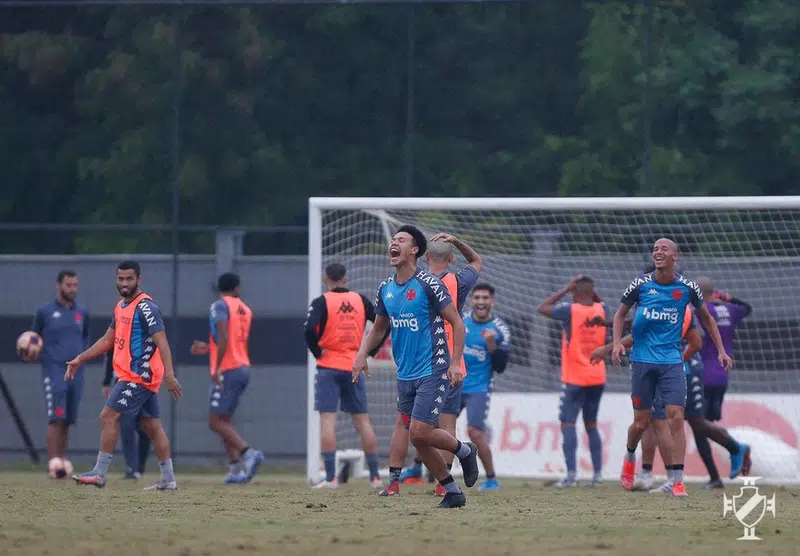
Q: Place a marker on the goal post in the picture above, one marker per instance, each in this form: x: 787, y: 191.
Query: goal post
x: 531, y: 247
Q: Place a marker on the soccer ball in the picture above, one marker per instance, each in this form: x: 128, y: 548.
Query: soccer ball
x: 29, y: 345
x: 58, y: 468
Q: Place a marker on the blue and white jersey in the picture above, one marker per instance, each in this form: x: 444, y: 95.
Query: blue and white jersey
x: 658, y: 320
x: 419, y: 344
x: 476, y: 355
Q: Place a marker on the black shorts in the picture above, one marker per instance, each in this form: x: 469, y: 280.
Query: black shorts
x: 714, y: 397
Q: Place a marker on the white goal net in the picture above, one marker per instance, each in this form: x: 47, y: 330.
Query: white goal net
x: 750, y: 247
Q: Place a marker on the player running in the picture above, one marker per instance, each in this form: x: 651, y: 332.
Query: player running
x: 727, y: 311
x: 486, y: 349
x: 439, y: 255
x: 334, y: 329
x: 135, y: 444
x: 657, y: 363
x: 63, y: 325
x: 142, y: 359
x: 583, y: 322
x: 415, y: 305
x: 230, y: 320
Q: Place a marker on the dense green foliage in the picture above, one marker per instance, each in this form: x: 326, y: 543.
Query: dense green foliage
x: 280, y: 103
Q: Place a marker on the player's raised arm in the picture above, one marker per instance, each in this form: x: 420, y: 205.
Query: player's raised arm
x: 101, y: 346
x: 547, y: 306
x: 473, y: 259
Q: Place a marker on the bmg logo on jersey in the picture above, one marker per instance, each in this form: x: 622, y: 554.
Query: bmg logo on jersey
x: 476, y: 352
x: 406, y: 320
x: 668, y: 314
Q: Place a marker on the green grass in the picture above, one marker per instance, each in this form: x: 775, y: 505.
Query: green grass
x: 279, y: 515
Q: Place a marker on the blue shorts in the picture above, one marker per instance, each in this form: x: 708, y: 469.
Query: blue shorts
x: 422, y: 399
x: 335, y: 389
x: 714, y: 395
x: 648, y: 378
x: 695, y: 399
x: 61, y: 398
x: 130, y: 397
x: 575, y: 399
x: 452, y: 403
x: 223, y: 399
x: 477, y: 406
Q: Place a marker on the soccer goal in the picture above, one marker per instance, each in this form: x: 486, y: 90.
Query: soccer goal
x: 749, y: 246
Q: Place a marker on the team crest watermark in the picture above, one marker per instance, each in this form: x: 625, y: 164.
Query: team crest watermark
x: 749, y: 507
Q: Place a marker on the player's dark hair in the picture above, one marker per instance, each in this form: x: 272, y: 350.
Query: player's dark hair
x: 485, y: 287
x: 130, y: 265
x: 65, y: 274
x: 585, y: 280
x: 417, y: 236
x: 227, y: 282
x: 335, y: 271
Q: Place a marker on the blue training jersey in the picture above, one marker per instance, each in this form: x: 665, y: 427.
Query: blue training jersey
x: 419, y: 344
x: 476, y: 355
x: 64, y: 331
x: 658, y: 320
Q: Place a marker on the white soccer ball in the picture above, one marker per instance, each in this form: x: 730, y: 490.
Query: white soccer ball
x: 29, y: 345
x: 56, y: 468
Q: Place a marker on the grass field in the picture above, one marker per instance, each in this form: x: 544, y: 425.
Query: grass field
x: 279, y: 515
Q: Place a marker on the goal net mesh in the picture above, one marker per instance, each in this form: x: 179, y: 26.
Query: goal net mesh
x: 529, y: 254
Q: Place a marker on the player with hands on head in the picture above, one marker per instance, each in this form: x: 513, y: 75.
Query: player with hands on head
x: 584, y: 324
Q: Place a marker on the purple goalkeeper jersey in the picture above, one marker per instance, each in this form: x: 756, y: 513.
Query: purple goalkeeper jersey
x: 727, y: 316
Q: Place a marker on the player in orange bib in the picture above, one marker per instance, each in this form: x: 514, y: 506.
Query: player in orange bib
x: 142, y: 360
x: 334, y: 329
x: 583, y: 323
x: 439, y: 256
x: 229, y: 363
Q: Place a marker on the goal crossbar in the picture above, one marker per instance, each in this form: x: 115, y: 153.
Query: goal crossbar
x: 556, y: 203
